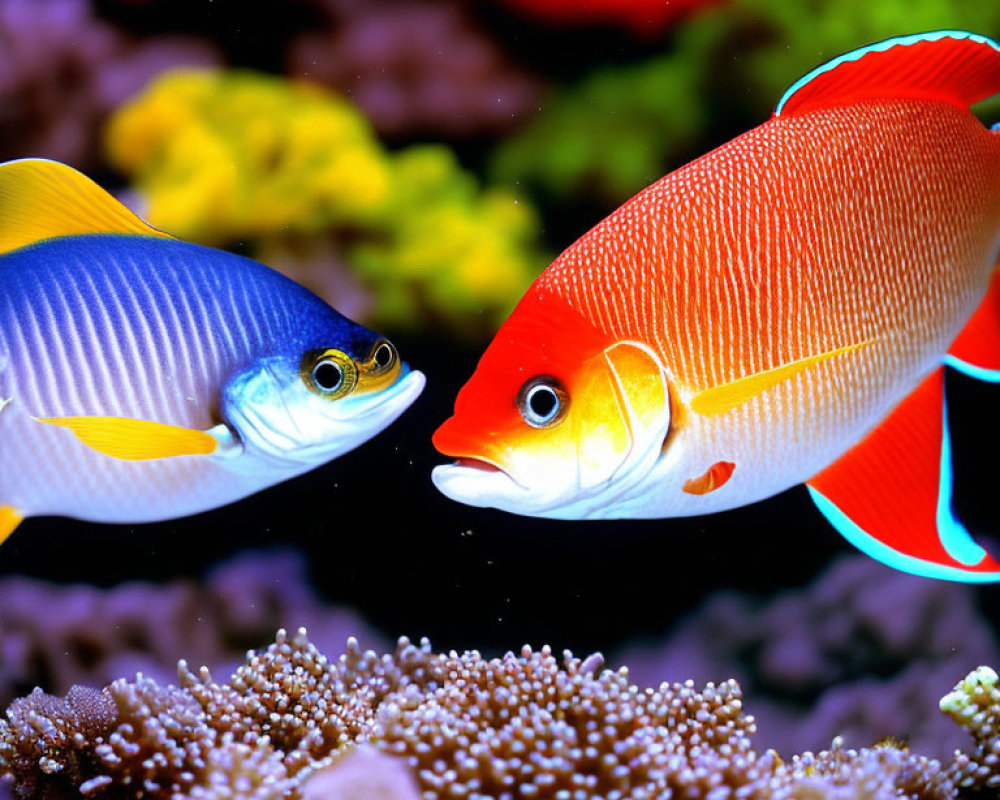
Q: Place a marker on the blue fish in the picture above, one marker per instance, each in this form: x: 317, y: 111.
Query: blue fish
x: 144, y: 378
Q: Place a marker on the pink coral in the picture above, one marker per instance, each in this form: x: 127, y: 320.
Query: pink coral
x: 857, y: 653
x: 62, y: 71
x: 61, y: 635
x: 417, y: 67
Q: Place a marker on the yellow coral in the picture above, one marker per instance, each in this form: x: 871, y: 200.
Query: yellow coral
x: 231, y: 155
x: 224, y: 157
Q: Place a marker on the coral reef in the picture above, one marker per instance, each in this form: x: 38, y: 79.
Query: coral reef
x: 975, y: 705
x: 57, y: 636
x: 615, y: 132
x: 857, y: 653
x: 417, y: 68
x: 285, y: 168
x: 293, y: 723
x: 620, y: 128
x: 62, y: 71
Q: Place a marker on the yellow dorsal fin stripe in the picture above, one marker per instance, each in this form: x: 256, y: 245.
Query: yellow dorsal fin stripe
x: 727, y: 396
x: 41, y: 199
x: 135, y: 439
x: 10, y: 518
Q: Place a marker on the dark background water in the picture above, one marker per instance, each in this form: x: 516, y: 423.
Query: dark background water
x: 380, y: 538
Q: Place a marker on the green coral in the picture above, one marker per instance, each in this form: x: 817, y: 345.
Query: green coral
x: 288, y: 168
x: 795, y: 37
x: 621, y: 128
x: 609, y: 136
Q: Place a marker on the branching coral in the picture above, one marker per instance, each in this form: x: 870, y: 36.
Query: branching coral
x: 221, y: 157
x: 975, y: 705
x: 62, y: 71
x: 292, y: 723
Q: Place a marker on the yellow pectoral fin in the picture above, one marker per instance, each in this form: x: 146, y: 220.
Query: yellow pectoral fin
x: 723, y: 398
x: 41, y: 199
x: 136, y: 439
x: 10, y: 518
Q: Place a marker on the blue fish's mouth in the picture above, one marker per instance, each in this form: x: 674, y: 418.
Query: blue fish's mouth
x: 286, y: 428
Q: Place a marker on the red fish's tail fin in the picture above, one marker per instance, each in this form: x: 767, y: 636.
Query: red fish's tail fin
x: 951, y: 66
x: 890, y: 494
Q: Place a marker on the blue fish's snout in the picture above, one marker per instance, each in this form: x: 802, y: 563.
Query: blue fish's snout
x: 285, y: 424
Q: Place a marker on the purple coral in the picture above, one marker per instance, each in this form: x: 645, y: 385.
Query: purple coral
x: 62, y: 71
x: 417, y: 67
x: 858, y: 653
x: 61, y: 635
x: 521, y: 726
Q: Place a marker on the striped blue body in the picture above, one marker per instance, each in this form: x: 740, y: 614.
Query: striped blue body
x: 121, y: 325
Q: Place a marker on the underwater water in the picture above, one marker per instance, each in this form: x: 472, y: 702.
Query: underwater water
x: 479, y: 139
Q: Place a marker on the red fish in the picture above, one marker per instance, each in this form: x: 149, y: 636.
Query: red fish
x: 779, y: 311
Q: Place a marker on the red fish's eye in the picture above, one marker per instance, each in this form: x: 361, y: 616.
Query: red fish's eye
x: 542, y: 402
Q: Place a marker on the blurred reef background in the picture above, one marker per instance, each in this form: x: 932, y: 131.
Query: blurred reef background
x: 417, y: 163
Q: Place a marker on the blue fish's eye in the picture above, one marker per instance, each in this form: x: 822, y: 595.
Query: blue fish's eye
x: 542, y: 402
x: 328, y: 376
x: 330, y: 373
x: 384, y: 356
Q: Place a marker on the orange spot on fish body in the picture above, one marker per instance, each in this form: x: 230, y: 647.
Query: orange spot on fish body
x: 714, y: 477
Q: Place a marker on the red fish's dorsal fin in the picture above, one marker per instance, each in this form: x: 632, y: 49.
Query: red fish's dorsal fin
x: 976, y: 351
x: 890, y: 494
x: 951, y: 66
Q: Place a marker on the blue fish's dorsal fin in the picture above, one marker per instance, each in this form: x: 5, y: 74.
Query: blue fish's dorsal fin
x: 952, y: 66
x: 41, y: 199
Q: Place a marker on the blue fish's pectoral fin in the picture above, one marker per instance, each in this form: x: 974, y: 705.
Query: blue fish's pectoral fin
x: 42, y: 199
x: 949, y: 66
x: 976, y: 351
x: 890, y: 494
x: 140, y: 440
x: 10, y: 518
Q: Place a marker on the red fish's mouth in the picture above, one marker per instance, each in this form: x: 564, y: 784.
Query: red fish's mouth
x: 453, y: 439
x: 477, y: 463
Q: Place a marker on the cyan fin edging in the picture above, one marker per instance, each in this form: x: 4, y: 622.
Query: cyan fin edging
x: 871, y: 546
x: 954, y: 537
x: 979, y: 373
x: 879, y: 47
